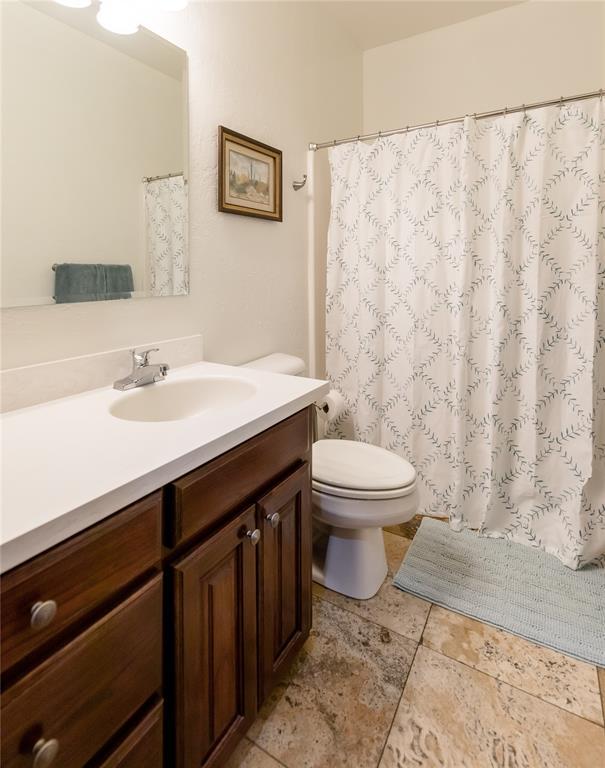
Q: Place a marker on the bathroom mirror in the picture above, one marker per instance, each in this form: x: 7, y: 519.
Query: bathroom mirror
x: 94, y: 160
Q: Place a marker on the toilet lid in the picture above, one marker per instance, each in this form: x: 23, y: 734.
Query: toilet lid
x: 350, y: 464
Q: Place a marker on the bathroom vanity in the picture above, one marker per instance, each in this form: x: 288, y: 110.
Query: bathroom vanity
x: 152, y: 636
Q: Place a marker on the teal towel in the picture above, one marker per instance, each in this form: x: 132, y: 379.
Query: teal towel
x: 118, y: 281
x: 92, y: 282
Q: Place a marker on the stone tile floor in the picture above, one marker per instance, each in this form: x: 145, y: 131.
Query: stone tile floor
x: 395, y: 681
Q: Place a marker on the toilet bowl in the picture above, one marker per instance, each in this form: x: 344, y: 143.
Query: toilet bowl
x: 357, y: 489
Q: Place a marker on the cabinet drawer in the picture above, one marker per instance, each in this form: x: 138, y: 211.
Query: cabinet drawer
x: 84, y: 693
x: 201, y: 498
x: 78, y: 576
x: 142, y: 748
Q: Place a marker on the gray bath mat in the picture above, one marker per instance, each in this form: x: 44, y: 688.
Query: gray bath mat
x: 522, y: 590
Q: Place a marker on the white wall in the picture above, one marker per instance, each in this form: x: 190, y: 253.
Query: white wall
x: 525, y: 53
x: 274, y: 71
x: 82, y: 123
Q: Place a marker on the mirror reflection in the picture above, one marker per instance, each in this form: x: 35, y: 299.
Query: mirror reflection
x: 94, y: 165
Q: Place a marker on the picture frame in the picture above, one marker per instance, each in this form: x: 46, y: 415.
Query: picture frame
x: 249, y: 176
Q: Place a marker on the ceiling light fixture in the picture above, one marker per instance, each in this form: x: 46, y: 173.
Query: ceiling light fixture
x: 124, y: 16
x: 75, y: 3
x: 119, y: 16
x: 171, y: 5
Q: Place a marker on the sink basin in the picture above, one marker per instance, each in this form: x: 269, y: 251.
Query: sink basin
x: 174, y: 400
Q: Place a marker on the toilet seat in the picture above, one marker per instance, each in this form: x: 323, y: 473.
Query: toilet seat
x: 358, y: 493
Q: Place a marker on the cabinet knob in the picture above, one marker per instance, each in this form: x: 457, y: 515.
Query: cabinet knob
x: 273, y: 519
x: 254, y: 536
x: 42, y: 613
x: 44, y: 752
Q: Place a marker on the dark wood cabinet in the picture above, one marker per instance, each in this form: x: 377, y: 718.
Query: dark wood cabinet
x: 202, y: 498
x: 284, y: 616
x: 79, y: 697
x: 215, y: 644
x: 78, y: 576
x: 171, y: 620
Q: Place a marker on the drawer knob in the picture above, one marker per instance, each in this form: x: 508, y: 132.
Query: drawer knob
x: 45, y: 752
x: 274, y: 519
x: 253, y: 536
x: 42, y: 613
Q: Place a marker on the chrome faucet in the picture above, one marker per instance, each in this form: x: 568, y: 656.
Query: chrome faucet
x: 142, y: 371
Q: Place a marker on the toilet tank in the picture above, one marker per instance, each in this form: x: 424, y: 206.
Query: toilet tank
x: 278, y: 362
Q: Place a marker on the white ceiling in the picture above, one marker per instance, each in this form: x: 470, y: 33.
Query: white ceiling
x: 371, y: 24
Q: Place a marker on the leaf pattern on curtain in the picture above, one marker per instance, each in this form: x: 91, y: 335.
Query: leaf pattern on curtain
x: 466, y: 318
x: 166, y: 212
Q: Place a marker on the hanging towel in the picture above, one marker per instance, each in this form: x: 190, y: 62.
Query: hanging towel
x: 92, y: 282
x: 78, y: 282
x: 119, y: 283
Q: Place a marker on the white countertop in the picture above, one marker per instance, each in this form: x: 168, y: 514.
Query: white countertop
x: 69, y: 463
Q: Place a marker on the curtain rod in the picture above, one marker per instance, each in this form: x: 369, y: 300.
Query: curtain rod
x: 165, y: 176
x: 477, y: 115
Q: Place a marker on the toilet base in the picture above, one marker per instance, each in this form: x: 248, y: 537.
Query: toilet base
x: 350, y: 561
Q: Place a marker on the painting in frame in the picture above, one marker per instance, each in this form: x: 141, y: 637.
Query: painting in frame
x: 250, y: 176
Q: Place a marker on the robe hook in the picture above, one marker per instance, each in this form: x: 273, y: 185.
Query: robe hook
x: 296, y: 185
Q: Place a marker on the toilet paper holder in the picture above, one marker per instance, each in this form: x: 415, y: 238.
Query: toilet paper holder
x: 331, y: 406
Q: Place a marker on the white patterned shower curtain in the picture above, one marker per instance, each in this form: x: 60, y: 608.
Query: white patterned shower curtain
x: 466, y: 318
x: 166, y: 214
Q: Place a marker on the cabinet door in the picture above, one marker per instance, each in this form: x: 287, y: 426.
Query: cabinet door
x: 284, y: 517
x: 215, y: 644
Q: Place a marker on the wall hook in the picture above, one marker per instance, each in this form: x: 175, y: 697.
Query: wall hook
x: 296, y: 185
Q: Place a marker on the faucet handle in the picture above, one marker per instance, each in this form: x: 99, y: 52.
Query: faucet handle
x: 141, y: 359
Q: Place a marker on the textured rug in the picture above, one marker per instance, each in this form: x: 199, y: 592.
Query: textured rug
x: 522, y: 590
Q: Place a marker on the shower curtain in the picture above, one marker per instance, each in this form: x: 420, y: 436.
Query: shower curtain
x: 466, y: 318
x: 166, y: 214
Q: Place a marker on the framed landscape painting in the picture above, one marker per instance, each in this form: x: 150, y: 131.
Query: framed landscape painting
x: 250, y: 176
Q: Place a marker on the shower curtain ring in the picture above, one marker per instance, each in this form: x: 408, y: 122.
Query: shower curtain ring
x: 560, y: 102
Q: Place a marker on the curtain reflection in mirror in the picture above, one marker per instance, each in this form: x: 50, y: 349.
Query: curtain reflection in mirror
x: 166, y: 214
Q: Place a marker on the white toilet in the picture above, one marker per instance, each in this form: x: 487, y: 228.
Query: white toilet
x: 357, y: 489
